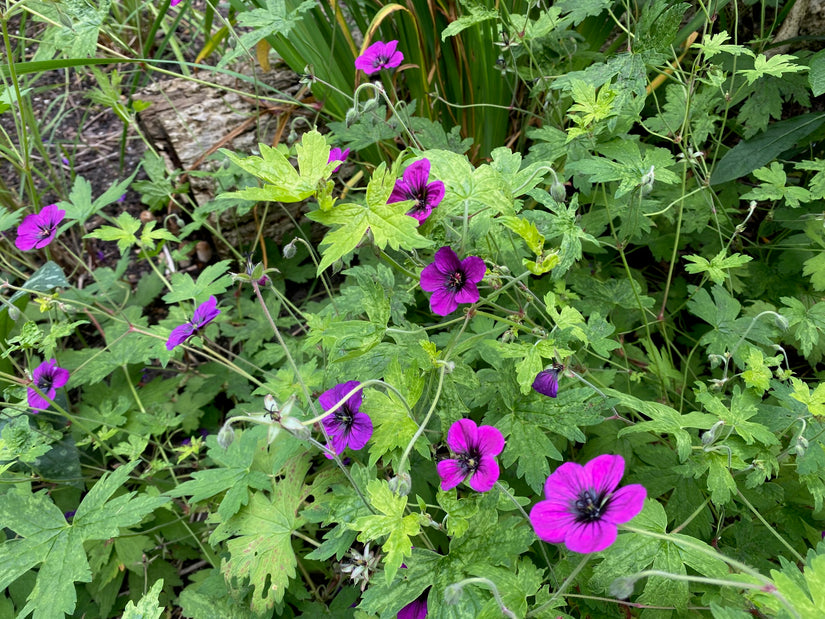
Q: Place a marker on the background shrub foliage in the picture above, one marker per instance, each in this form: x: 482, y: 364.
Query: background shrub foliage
x: 644, y: 184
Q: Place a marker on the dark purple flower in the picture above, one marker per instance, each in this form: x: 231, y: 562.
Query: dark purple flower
x: 417, y: 609
x: 379, y: 56
x: 336, y: 154
x: 476, y: 448
x: 206, y: 313
x: 347, y: 427
x: 413, y: 186
x: 38, y: 229
x: 582, y: 509
x: 547, y: 381
x: 48, y: 378
x: 452, y: 281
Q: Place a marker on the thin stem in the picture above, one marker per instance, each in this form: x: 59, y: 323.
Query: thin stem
x: 423, y: 425
x: 562, y: 588
x: 773, y: 531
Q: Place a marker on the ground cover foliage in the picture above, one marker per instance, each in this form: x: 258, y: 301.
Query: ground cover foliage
x: 548, y: 343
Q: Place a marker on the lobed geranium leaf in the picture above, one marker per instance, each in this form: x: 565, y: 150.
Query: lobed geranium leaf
x: 260, y: 538
x: 390, y: 522
x: 46, y: 537
x: 148, y: 606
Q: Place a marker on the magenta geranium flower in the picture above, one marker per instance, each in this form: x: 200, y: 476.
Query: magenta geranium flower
x: 379, y: 56
x: 547, y: 381
x: 476, y: 448
x: 38, y: 229
x: 417, y: 609
x: 452, y: 281
x: 48, y: 378
x: 206, y: 313
x: 583, y: 506
x: 413, y: 186
x: 336, y: 154
x: 347, y: 426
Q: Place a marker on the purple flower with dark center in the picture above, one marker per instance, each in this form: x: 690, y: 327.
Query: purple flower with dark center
x: 379, y: 56
x: 206, y: 313
x: 583, y: 506
x: 336, y: 154
x: 476, y: 448
x: 417, y: 609
x: 38, y: 229
x: 347, y: 427
x: 413, y: 186
x: 452, y: 281
x: 547, y: 381
x: 48, y: 378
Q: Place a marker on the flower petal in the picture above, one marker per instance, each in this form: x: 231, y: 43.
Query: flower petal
x: 547, y: 382
x: 486, y: 474
x: 462, y: 436
x: 435, y: 193
x: 467, y: 294
x: 490, y: 441
x: 450, y: 472
x: 417, y: 174
x: 446, y: 260
x: 625, y: 504
x: 35, y: 400
x: 420, y: 214
x: 443, y: 302
x: 60, y: 377
x: 331, y: 397
x: 590, y: 536
x: 606, y: 472
x: 360, y: 431
x: 474, y: 268
x: 179, y: 335
x: 567, y: 482
x: 431, y: 278
x: 417, y: 609
x: 551, y: 521
x: 400, y: 192
x: 205, y: 313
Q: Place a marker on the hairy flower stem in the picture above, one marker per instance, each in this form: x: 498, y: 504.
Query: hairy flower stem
x: 527, y: 518
x: 456, y: 588
x: 773, y: 531
x: 768, y: 587
x: 558, y: 592
x: 336, y: 458
x: 403, y: 462
x: 584, y: 381
x: 690, y: 518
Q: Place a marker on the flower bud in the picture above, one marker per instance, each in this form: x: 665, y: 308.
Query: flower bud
x: 709, y: 437
x: 622, y: 588
x: 452, y: 594
x: 370, y: 105
x: 401, y: 484
x: 557, y: 191
x: 226, y: 436
x: 290, y: 249
x: 351, y: 118
x: 801, y: 445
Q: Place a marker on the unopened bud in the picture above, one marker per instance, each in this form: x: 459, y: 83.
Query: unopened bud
x: 709, y: 437
x: 370, y: 105
x: 452, y: 594
x: 401, y: 484
x: 14, y: 313
x: 351, y: 118
x: 557, y: 190
x: 801, y: 446
x: 622, y: 588
x: 226, y: 436
x: 290, y: 250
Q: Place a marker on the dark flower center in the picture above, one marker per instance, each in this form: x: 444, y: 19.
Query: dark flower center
x: 345, y: 416
x: 456, y: 281
x: 45, y: 231
x: 590, y: 506
x: 470, y: 460
x: 420, y: 196
x: 380, y: 60
x: 44, y: 383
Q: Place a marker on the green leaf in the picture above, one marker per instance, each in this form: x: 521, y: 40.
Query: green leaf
x: 389, y: 223
x: 213, y: 280
x: 123, y: 233
x: 527, y: 231
x: 478, y: 14
x: 816, y: 75
x: 598, y: 330
x: 773, y: 187
x: 751, y: 154
x: 758, y: 374
x: 148, y: 607
x: 390, y: 522
x: 806, y: 595
x: 81, y: 206
x: 814, y: 401
x: 815, y: 267
x: 260, y: 548
x: 742, y: 408
x: 234, y: 474
x: 564, y: 223
x: 9, y: 219
x: 806, y: 324
x: 46, y: 537
x: 776, y: 66
x: 663, y: 420
x: 528, y: 444
x: 274, y: 19
x: 716, y: 267
x: 714, y: 44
